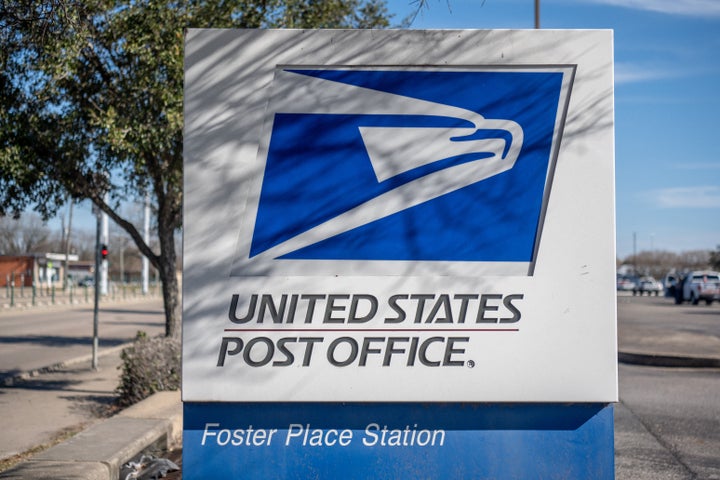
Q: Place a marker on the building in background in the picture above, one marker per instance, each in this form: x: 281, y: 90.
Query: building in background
x: 43, y: 269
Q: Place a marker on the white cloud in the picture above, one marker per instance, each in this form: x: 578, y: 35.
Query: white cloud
x: 633, y: 72
x: 639, y: 71
x: 685, y: 197
x: 693, y: 8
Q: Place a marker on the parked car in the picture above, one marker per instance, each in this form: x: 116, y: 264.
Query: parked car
x: 86, y: 282
x: 625, y: 283
x: 699, y: 285
x: 647, y: 285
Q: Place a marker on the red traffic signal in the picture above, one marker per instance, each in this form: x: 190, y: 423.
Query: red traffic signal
x: 103, y: 251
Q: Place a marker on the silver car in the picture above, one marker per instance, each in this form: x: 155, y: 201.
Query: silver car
x: 647, y: 285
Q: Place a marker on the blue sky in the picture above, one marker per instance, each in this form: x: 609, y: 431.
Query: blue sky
x: 667, y: 105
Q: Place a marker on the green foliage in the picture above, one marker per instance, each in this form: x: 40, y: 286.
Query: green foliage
x: 91, y: 92
x: 150, y: 365
x: 91, y: 102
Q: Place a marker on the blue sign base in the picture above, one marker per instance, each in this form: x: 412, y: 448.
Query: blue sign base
x: 397, y: 440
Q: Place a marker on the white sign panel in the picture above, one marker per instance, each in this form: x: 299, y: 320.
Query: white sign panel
x: 399, y: 216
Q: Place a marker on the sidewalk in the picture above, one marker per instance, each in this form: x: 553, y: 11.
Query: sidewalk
x: 40, y: 409
x: 62, y: 426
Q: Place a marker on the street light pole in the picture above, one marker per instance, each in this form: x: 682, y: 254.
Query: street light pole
x: 634, y: 253
x: 66, y: 234
x: 96, y: 307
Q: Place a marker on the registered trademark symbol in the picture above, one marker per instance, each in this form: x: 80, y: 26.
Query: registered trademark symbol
x: 470, y: 363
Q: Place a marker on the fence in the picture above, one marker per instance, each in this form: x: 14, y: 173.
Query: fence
x: 12, y: 296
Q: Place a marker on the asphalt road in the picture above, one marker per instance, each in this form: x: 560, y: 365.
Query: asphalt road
x: 656, y: 325
x: 34, y: 339
x: 667, y: 424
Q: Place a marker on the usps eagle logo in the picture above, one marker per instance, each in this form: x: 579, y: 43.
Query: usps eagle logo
x: 390, y: 164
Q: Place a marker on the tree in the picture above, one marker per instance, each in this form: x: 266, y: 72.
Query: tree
x: 91, y: 102
x: 23, y: 236
x: 715, y: 258
x: 421, y: 5
x: 657, y: 263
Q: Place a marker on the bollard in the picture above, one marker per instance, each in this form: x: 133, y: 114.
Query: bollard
x: 12, y: 295
x: 22, y: 285
x: 34, y: 293
x: 52, y: 294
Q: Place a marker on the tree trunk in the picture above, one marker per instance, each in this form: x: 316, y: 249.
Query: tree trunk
x: 170, y: 286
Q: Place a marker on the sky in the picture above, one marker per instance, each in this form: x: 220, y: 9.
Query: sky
x: 667, y: 106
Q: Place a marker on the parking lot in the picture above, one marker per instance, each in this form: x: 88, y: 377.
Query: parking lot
x: 666, y: 424
x: 657, y: 325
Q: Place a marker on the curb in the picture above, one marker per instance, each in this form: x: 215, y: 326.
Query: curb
x: 99, y: 452
x: 10, y: 381
x: 671, y: 361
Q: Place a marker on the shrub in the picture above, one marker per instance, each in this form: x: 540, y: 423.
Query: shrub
x: 149, y: 365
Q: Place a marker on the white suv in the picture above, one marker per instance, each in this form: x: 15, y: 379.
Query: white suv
x: 700, y: 285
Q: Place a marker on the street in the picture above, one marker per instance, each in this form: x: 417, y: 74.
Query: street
x: 667, y: 423
x: 34, y: 339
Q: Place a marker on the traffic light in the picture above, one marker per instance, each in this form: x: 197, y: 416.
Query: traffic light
x: 103, y: 251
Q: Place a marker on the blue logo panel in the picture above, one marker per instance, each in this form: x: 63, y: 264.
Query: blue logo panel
x: 370, y: 441
x: 319, y: 166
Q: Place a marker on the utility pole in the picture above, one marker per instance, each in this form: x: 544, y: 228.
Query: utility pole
x: 537, y: 14
x: 67, y: 234
x: 96, y: 307
x: 635, y: 253
x: 122, y: 262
